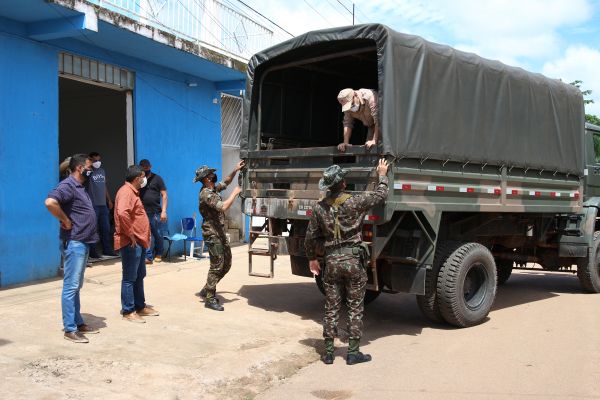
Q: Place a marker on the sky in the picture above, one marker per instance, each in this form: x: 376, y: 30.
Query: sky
x: 558, y: 38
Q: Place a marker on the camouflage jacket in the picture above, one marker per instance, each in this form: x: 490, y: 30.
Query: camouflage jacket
x: 211, y: 209
x: 351, y: 214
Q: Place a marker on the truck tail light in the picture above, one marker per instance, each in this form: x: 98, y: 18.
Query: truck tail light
x: 367, y: 232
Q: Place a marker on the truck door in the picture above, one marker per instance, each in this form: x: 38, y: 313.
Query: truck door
x: 592, y: 180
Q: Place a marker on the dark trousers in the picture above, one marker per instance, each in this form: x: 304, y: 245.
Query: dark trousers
x: 103, y: 224
x: 132, y: 284
x: 156, y: 245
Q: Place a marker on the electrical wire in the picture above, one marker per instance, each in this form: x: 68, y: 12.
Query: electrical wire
x: 315, y: 10
x: 271, y: 21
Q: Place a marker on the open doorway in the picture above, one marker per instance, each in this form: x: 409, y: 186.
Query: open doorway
x: 93, y: 118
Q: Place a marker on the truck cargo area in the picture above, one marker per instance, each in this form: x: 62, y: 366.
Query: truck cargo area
x: 297, y: 96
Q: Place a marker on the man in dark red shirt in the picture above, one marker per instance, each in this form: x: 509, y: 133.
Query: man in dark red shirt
x: 132, y: 238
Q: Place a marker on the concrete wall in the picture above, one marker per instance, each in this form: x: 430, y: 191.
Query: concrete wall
x: 176, y: 127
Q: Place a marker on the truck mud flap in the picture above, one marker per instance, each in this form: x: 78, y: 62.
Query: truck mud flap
x: 406, y: 278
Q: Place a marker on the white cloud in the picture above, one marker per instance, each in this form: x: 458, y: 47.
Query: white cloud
x: 579, y: 63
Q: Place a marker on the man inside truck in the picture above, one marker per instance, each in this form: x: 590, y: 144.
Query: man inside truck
x: 336, y: 222
x: 359, y: 104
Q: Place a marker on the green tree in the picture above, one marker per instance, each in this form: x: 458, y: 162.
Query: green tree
x: 591, y: 118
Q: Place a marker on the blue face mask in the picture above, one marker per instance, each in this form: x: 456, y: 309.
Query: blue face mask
x: 355, y: 107
x: 148, y: 172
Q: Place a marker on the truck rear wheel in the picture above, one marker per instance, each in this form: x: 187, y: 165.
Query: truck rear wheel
x: 588, y: 269
x: 466, y: 285
x: 428, y: 303
x: 370, y: 295
x: 504, y: 270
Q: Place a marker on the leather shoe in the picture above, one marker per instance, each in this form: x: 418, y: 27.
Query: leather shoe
x: 134, y: 317
x: 157, y: 258
x: 148, y: 262
x: 147, y: 312
x: 213, y: 304
x: 327, y: 358
x: 76, y: 337
x: 357, y: 358
x: 83, y: 328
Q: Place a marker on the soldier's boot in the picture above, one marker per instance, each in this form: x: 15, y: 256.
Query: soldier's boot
x: 355, y: 356
x: 328, y: 357
x: 213, y: 304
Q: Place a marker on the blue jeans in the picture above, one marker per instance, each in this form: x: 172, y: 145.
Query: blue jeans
x: 104, y: 229
x: 156, y: 243
x: 132, y: 285
x: 75, y: 256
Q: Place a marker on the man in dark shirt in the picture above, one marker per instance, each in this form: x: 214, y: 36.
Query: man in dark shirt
x: 71, y: 205
x: 151, y: 195
x: 96, y: 187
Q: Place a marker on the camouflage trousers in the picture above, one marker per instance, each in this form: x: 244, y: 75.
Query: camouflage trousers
x: 344, y: 273
x: 220, y: 263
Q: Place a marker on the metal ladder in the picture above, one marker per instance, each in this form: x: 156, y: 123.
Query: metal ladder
x: 271, y: 250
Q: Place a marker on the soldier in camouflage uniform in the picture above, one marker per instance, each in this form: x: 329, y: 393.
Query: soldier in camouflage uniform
x: 212, y: 207
x: 337, y: 222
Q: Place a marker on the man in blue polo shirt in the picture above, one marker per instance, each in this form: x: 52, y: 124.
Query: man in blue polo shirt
x: 71, y: 205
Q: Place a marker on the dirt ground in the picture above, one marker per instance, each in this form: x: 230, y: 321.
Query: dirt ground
x: 541, y: 341
x: 188, y: 352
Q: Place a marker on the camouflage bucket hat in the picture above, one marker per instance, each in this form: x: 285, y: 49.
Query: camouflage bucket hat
x: 203, y: 172
x: 332, y: 176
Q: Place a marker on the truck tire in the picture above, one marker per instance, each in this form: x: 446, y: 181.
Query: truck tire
x: 588, y: 269
x: 504, y: 270
x: 428, y: 303
x: 466, y: 285
x: 370, y: 295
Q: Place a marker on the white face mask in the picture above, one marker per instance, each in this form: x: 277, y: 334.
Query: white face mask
x: 355, y: 107
x: 96, y: 164
x: 144, y: 182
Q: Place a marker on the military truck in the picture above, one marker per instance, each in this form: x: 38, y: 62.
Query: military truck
x: 493, y: 167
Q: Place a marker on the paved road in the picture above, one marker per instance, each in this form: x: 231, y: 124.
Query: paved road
x: 541, y: 341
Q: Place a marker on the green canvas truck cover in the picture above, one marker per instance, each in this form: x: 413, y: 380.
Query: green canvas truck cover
x: 440, y: 103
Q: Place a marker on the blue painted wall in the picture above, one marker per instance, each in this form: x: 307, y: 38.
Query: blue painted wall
x: 28, y: 160
x: 176, y: 127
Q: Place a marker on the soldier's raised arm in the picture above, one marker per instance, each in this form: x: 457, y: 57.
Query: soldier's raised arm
x: 370, y: 199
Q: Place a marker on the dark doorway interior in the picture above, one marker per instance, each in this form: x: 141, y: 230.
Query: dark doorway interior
x: 93, y: 118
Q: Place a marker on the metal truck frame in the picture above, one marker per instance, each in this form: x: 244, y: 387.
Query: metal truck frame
x: 492, y: 167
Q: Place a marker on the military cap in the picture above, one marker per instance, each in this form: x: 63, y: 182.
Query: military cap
x: 203, y: 172
x: 332, y: 176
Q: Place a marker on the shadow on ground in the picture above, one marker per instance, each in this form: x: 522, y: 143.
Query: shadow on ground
x: 529, y: 286
x: 94, y: 321
x: 4, y: 342
x: 388, y: 315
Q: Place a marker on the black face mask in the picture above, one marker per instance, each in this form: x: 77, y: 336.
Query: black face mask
x: 86, y: 173
x: 148, y: 172
x: 214, y: 179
